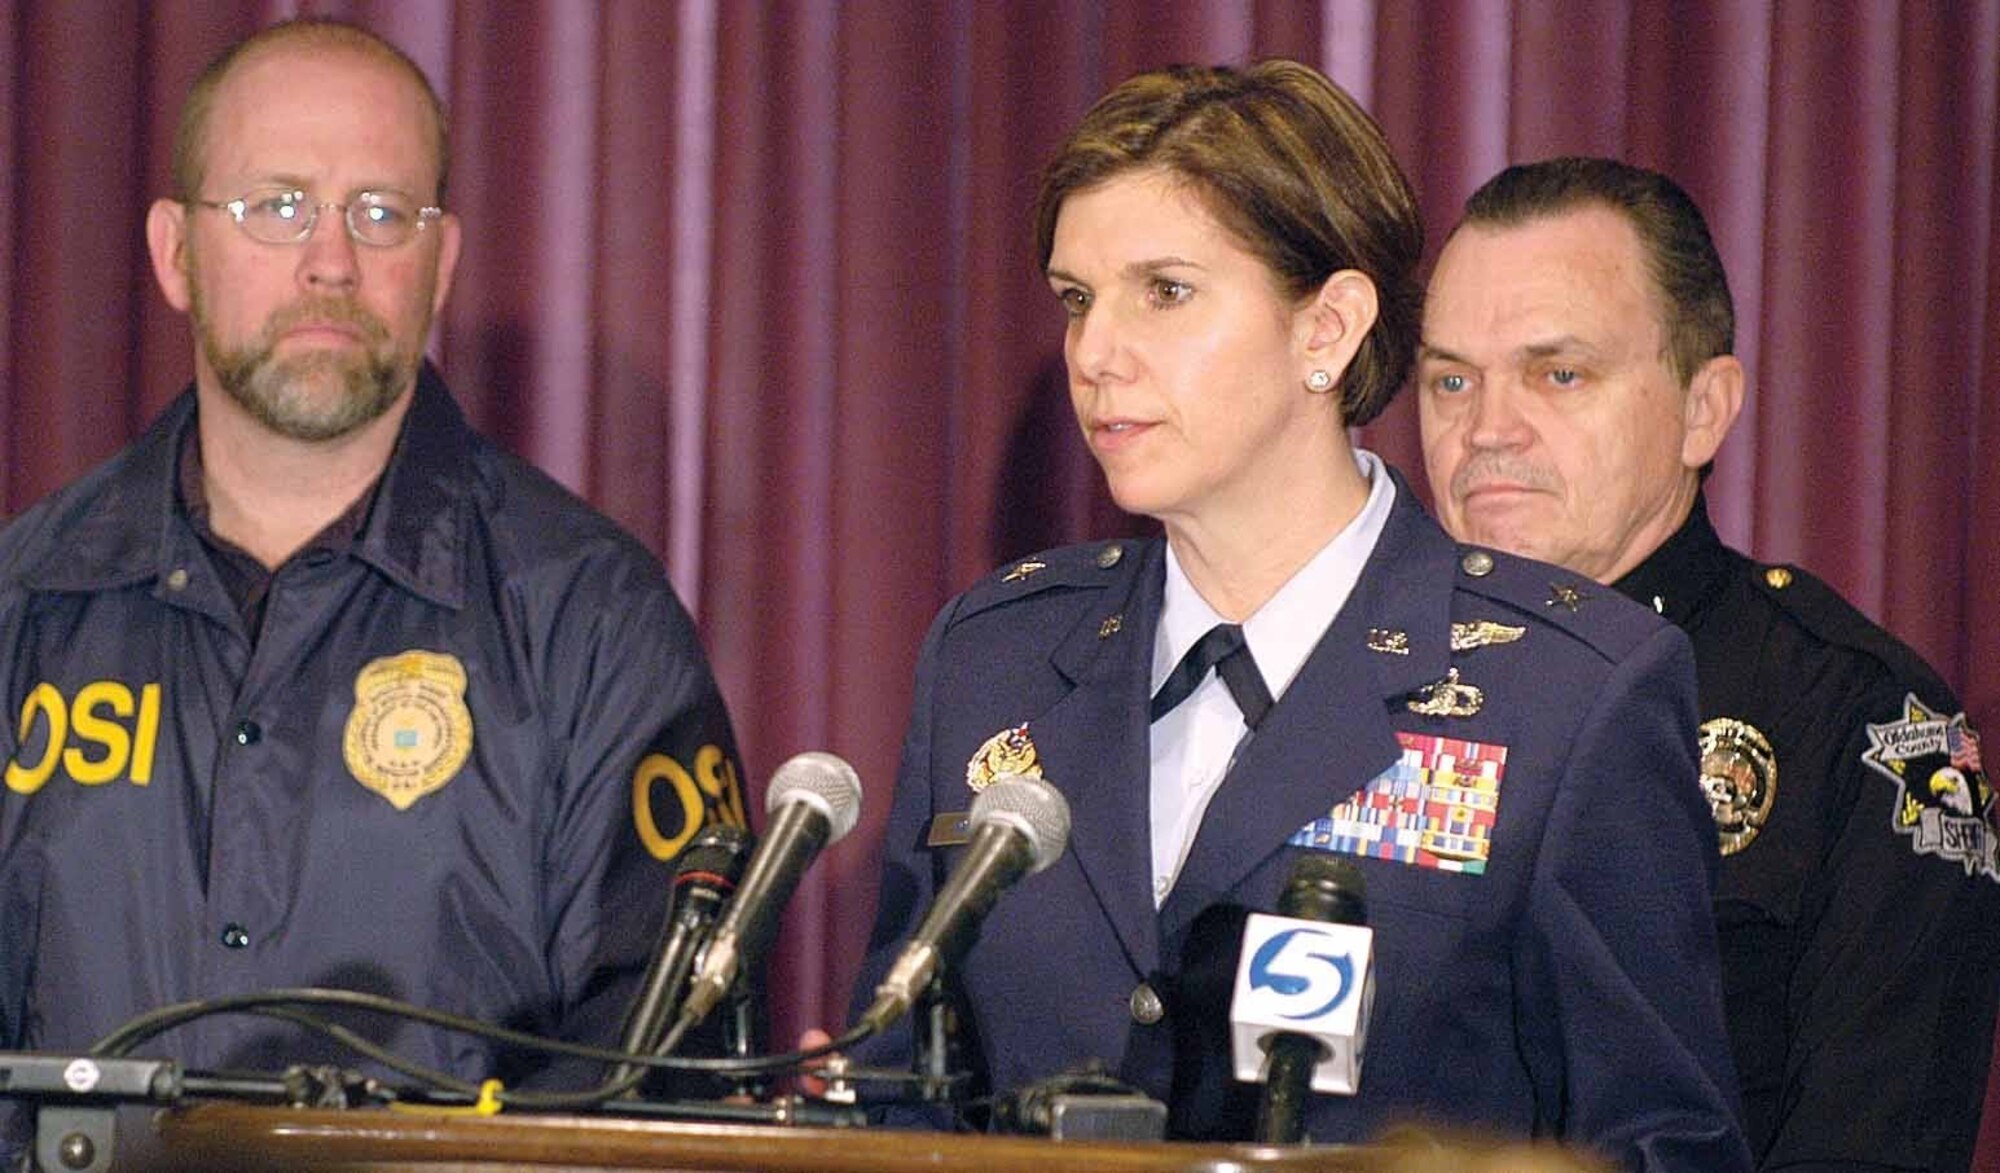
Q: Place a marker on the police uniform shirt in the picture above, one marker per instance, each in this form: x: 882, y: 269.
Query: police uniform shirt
x: 1857, y: 906
x: 1193, y: 744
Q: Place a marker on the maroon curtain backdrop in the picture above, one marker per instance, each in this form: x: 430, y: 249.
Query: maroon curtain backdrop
x: 755, y: 276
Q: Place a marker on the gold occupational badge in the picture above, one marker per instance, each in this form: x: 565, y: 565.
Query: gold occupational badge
x: 1448, y: 698
x: 1388, y: 641
x: 1739, y: 773
x: 410, y: 730
x: 1483, y: 634
x: 1010, y: 751
x: 1023, y: 569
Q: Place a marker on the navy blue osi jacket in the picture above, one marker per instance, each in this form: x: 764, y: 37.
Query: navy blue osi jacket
x: 451, y: 769
x: 1557, y: 977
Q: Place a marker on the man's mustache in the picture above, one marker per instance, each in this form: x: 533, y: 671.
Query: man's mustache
x: 1499, y: 469
x: 333, y: 311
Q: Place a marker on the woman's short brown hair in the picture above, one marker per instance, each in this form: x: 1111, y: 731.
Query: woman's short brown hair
x: 1291, y: 166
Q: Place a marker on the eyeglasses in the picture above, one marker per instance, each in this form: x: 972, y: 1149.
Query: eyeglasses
x: 285, y: 215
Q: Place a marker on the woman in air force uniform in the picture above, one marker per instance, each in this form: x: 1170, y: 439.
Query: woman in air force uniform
x: 1307, y: 663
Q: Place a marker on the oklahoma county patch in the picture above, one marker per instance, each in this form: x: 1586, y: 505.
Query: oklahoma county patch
x: 1943, y: 802
x: 410, y: 730
x: 1433, y: 808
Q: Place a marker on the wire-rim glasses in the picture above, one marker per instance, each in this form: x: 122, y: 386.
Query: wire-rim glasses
x: 286, y: 215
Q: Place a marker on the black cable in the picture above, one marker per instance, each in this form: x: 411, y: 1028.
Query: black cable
x: 361, y: 1045
x: 283, y: 1003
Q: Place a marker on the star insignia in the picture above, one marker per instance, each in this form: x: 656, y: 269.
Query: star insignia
x: 1564, y: 595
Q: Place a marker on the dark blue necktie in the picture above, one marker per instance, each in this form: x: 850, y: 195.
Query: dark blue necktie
x: 1222, y: 649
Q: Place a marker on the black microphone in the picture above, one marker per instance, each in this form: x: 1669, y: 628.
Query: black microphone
x: 813, y: 800
x: 703, y: 880
x: 1020, y: 825
x: 1305, y: 986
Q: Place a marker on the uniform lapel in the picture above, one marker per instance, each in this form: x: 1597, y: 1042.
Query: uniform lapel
x: 1331, y: 732
x: 1093, y: 742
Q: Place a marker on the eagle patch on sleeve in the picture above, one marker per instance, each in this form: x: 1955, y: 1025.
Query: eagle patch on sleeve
x: 1943, y: 801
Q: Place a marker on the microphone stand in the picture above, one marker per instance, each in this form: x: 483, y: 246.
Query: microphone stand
x: 740, y: 1034
x: 935, y: 1039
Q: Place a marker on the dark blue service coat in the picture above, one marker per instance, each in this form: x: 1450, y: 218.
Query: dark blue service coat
x: 1566, y: 985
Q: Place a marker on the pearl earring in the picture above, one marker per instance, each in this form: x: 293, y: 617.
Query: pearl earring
x: 1319, y: 382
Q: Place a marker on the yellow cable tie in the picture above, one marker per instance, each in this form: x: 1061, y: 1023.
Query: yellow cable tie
x: 488, y: 1104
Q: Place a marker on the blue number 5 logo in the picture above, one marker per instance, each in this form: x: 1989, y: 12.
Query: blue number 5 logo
x: 1286, y: 980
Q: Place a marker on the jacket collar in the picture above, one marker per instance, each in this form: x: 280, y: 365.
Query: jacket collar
x: 1678, y: 577
x: 131, y: 528
x: 418, y: 530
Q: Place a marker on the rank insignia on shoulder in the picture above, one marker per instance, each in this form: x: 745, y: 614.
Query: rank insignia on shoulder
x: 1434, y: 808
x: 410, y: 729
x: 1447, y: 698
x: 1943, y: 801
x: 1392, y: 643
x: 1483, y: 634
x: 1023, y: 569
x: 1739, y: 774
x: 1564, y: 595
x: 1010, y: 751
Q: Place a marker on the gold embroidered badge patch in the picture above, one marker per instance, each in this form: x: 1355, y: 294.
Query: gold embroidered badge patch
x: 1010, y: 751
x: 410, y: 730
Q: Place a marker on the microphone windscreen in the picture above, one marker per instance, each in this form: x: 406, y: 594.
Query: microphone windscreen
x: 1029, y: 804
x: 825, y: 781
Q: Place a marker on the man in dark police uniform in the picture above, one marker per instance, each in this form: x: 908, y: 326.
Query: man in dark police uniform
x: 1575, y: 379
x: 312, y: 685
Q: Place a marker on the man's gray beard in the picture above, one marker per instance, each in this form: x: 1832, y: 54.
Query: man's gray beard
x: 294, y: 397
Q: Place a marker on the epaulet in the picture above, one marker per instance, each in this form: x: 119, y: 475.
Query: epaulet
x: 1593, y: 613
x: 1819, y: 609
x: 1087, y: 566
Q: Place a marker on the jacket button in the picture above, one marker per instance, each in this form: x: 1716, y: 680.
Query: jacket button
x: 1477, y: 564
x: 235, y: 936
x: 248, y: 733
x: 1147, y: 1008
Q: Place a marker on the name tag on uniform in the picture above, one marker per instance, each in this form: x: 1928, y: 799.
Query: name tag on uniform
x: 953, y: 829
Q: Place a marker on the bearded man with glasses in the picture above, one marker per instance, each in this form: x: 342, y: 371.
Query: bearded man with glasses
x: 312, y: 685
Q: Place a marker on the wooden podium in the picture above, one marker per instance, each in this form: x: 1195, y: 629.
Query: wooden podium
x: 218, y: 1138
